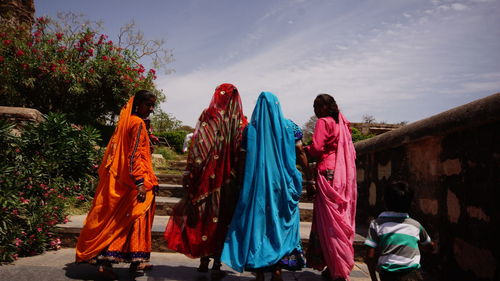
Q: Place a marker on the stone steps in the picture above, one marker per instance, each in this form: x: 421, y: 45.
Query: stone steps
x: 176, y: 189
x: 69, y: 233
x: 171, y: 192
x: 164, y: 207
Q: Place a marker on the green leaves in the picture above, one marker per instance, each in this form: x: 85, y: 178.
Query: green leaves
x: 81, y: 75
x: 40, y: 170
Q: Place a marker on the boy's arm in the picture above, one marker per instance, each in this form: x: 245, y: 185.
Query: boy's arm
x: 371, y: 262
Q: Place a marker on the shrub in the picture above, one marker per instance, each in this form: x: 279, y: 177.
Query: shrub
x: 175, y: 139
x: 49, y: 163
x: 84, y: 75
x: 358, y: 136
x: 166, y: 152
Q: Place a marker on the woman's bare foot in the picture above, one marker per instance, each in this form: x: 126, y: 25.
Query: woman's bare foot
x: 139, y: 266
x: 276, y: 275
x: 106, y: 271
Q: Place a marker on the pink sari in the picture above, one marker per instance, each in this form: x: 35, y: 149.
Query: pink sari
x: 332, y: 233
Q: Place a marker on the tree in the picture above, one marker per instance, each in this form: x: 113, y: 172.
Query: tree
x: 129, y: 38
x: 308, y: 129
x: 368, y: 119
x: 164, y: 122
x: 82, y: 73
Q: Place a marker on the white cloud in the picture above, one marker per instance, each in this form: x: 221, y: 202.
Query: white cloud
x: 458, y: 6
x: 390, y: 71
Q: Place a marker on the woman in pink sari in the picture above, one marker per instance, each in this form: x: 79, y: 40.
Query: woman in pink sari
x: 332, y: 232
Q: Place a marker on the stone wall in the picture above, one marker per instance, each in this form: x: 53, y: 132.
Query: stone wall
x: 453, y: 161
x: 20, y: 116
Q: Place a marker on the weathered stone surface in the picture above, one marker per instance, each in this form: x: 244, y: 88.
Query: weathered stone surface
x: 452, y: 160
x: 480, y: 261
x: 158, y: 160
x: 477, y: 213
x: 20, y: 114
x: 453, y: 207
x: 429, y: 206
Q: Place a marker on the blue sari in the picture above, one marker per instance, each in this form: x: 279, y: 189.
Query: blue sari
x: 265, y: 229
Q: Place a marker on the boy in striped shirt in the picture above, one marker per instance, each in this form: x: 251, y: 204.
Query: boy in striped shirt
x: 394, y: 238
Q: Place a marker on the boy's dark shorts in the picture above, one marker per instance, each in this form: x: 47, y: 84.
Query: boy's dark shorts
x: 412, y: 275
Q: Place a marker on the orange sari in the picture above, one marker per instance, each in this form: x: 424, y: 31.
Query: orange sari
x: 118, y: 227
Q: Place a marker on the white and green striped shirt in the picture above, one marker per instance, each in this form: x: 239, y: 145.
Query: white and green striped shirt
x: 397, y: 236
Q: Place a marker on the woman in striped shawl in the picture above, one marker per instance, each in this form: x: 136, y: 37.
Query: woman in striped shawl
x: 198, y: 225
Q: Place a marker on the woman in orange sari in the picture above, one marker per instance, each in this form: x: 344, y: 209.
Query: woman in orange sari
x: 199, y: 223
x: 118, y: 226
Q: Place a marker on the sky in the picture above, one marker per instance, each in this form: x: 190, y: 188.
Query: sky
x: 395, y: 60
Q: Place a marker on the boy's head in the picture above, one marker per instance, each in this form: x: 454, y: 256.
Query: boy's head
x: 398, y: 197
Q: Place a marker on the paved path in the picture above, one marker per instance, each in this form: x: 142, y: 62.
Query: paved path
x: 58, y: 265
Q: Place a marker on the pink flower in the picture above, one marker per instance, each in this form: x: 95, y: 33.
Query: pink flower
x: 15, y: 212
x: 15, y: 256
x: 65, y: 220
x: 81, y: 197
x: 18, y: 242
x: 24, y: 201
x: 39, y: 229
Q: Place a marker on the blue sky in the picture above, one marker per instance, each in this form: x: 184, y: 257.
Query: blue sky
x: 395, y: 60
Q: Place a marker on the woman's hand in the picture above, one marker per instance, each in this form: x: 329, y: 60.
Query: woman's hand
x: 141, y: 193
x: 310, y: 188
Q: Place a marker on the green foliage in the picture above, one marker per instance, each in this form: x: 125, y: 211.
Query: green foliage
x: 70, y: 159
x: 164, y: 122
x: 358, y: 136
x: 39, y: 171
x: 81, y: 74
x: 167, y: 153
x: 175, y: 139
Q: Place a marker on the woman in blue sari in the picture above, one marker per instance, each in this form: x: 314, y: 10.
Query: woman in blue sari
x: 264, y: 234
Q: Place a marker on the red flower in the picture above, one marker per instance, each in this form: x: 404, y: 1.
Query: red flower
x: 59, y: 35
x: 152, y: 71
x: 37, y: 34
x: 7, y: 42
x: 2, y: 59
x: 90, y: 51
x: 19, y: 53
x: 18, y: 241
x: 104, y: 58
x: 25, y: 66
x: 81, y: 197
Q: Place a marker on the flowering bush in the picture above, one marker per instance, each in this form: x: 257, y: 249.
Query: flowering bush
x: 83, y: 75
x: 40, y: 170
